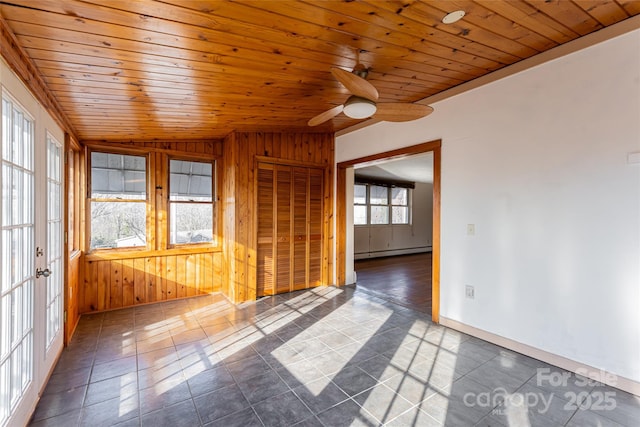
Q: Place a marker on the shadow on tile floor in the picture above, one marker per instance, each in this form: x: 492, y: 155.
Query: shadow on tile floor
x: 322, y: 357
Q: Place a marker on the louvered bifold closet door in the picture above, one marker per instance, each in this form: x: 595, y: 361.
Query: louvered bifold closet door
x: 266, y: 204
x: 290, y: 221
x: 283, y: 229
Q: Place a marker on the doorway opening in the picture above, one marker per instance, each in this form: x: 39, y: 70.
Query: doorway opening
x: 374, y: 219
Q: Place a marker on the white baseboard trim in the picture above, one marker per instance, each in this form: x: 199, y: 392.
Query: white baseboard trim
x: 600, y: 375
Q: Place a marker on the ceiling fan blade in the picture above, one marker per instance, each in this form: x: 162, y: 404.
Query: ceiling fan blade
x: 355, y: 84
x: 401, y: 112
x: 327, y: 115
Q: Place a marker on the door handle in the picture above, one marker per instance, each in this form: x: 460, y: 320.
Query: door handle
x: 46, y: 272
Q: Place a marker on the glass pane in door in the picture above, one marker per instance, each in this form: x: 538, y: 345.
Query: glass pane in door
x: 16, y: 256
x: 54, y: 239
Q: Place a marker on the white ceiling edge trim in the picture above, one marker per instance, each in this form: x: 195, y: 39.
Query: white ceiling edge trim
x: 607, y: 33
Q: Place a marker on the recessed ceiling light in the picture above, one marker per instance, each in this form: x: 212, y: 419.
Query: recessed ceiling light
x: 452, y: 17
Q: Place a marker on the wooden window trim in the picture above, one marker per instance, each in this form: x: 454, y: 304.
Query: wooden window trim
x: 157, y: 200
x: 206, y: 246
x: 149, y: 228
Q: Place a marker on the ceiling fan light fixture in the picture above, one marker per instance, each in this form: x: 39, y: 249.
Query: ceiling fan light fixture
x: 453, y: 17
x: 359, y: 108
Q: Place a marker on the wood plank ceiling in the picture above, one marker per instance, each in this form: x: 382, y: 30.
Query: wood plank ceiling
x: 192, y: 69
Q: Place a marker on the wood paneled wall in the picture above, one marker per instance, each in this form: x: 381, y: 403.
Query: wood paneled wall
x: 126, y: 281
x: 242, y: 151
x: 116, y: 279
x: 72, y: 289
x: 73, y: 220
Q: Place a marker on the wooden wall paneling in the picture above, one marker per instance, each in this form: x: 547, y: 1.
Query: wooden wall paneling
x: 104, y: 285
x: 160, y: 278
x: 292, y: 152
x: 115, y: 296
x: 198, y: 264
x: 255, y: 141
x: 74, y: 294
x: 260, y: 143
x: 217, y: 272
x: 277, y: 145
x: 139, y: 281
x: 153, y: 268
x: 327, y: 205
x: 208, y: 273
x: 228, y: 212
x: 248, y: 152
x: 190, y: 279
x: 128, y: 283
x: 114, y: 283
x: 181, y: 276
x: 268, y: 145
x: 89, y: 289
x: 170, y: 277
x: 245, y: 146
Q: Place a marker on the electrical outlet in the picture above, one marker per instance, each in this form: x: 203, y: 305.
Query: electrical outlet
x: 470, y: 292
x: 471, y: 229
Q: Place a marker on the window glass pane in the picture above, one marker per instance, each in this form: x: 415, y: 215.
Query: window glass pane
x: 379, y: 214
x: 191, y: 223
x: 360, y: 215
x: 400, y: 215
x: 378, y: 195
x: 399, y: 196
x: 118, y: 224
x: 360, y: 194
x: 190, y: 181
x: 118, y: 176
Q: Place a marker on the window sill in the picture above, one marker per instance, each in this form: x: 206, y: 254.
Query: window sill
x: 111, y: 254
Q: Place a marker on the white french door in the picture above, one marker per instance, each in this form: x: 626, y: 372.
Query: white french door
x: 49, y: 194
x: 30, y: 258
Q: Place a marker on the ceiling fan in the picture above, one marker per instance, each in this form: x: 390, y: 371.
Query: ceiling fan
x: 362, y: 103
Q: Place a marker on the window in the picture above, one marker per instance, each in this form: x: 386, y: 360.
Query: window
x: 379, y: 204
x: 399, y: 205
x: 190, y: 202
x: 118, y: 200
x: 360, y: 204
x: 74, y: 159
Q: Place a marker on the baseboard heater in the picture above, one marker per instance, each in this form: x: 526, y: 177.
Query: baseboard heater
x: 392, y: 252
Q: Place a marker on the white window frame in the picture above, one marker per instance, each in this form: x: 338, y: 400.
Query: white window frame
x: 390, y: 205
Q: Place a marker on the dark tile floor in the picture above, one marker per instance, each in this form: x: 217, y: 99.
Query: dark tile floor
x: 325, y: 357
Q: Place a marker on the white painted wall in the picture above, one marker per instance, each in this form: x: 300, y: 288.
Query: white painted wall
x: 372, y: 241
x: 538, y: 162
